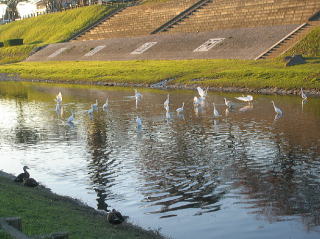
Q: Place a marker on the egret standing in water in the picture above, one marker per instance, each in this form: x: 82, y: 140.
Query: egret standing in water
x: 202, y: 93
x: 70, y: 119
x: 303, y: 95
x: 247, y: 98
x: 59, y: 109
x: 90, y: 111
x: 58, y: 98
x: 137, y: 94
x: 198, y: 101
x: 139, y: 122
x: 179, y: 110
x: 228, y: 103
x: 276, y: 109
x: 95, y: 105
x: 166, y: 103
x: 105, y: 105
x: 215, y: 111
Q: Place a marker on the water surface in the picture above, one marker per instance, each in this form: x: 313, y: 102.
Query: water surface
x: 247, y: 174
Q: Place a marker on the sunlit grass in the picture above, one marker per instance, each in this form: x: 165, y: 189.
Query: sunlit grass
x: 308, y: 46
x: 54, y: 27
x: 214, y: 73
x: 45, y: 29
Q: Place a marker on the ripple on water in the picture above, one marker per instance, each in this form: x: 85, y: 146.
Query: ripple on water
x: 189, y: 174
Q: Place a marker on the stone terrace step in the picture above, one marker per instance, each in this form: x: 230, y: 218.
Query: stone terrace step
x: 133, y: 19
x: 223, y: 14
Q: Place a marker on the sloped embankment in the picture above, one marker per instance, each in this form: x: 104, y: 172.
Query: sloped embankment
x: 45, y: 29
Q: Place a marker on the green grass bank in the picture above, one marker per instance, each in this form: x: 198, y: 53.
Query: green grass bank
x: 212, y: 73
x: 46, y: 29
x: 43, y: 212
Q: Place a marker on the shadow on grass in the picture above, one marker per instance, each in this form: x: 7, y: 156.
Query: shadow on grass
x: 36, y: 42
x: 313, y: 60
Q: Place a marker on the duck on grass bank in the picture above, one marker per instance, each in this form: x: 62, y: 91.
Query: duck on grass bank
x: 22, y: 176
x: 114, y: 217
x: 30, y: 182
x: 25, y: 178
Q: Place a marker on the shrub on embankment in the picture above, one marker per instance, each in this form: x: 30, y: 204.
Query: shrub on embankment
x: 13, y: 42
x: 49, y: 28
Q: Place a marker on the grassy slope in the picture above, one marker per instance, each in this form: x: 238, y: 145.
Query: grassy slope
x: 50, y: 28
x: 45, y: 213
x: 215, y: 73
x: 308, y: 46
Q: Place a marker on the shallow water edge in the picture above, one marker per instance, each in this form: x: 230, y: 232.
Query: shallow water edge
x: 163, y: 85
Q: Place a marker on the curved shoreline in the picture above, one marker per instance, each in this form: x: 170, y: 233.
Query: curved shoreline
x: 163, y: 85
x: 71, y: 205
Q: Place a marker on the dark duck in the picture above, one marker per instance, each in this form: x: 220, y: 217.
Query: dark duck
x: 23, y: 175
x: 30, y: 182
x: 115, y: 217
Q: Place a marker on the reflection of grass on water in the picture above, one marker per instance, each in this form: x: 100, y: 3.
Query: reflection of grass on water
x: 44, y: 213
x: 214, y: 73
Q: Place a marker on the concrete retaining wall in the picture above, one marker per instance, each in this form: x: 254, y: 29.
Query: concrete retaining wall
x: 244, y: 43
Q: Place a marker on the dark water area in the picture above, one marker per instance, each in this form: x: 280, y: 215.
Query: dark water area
x: 246, y: 174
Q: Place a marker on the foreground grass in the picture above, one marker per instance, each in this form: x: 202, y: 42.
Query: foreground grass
x: 45, y: 29
x: 213, y: 73
x: 45, y: 213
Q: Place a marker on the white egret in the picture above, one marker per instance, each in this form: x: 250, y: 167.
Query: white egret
x: 179, y: 110
x: 198, y: 101
x: 58, y: 98
x: 137, y: 94
x: 95, y: 105
x: 168, y: 116
x: 59, y: 109
x: 70, y: 119
x: 247, y: 98
x: 276, y: 109
x: 202, y: 93
x: 228, y: 103
x: 139, y: 122
x: 166, y: 103
x: 215, y: 111
x: 90, y: 111
x: 167, y: 108
x: 303, y: 95
x: 105, y: 105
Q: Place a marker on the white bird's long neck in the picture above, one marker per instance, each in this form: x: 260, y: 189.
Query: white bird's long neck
x: 274, y: 105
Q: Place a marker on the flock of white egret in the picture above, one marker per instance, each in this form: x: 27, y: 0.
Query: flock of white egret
x: 197, y: 101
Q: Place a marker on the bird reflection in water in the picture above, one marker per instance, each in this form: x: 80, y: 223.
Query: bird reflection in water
x: 246, y: 108
x: 59, y: 110
x: 100, y: 166
x: 303, y: 102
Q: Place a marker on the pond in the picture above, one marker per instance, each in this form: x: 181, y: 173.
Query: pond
x: 246, y: 174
